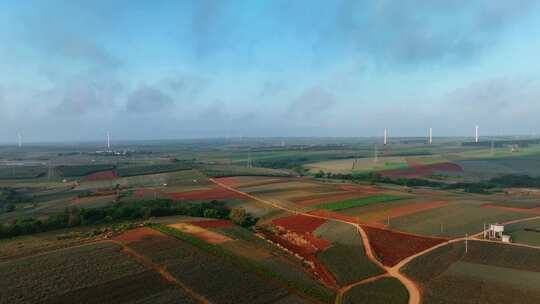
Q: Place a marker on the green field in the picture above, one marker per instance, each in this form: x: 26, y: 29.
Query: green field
x: 346, y: 259
x: 525, y: 232
x: 22, y: 172
x: 359, y: 202
x: 382, y: 291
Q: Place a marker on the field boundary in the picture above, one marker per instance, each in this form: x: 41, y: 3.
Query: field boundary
x: 412, y: 288
x: 268, y: 274
x: 162, y: 271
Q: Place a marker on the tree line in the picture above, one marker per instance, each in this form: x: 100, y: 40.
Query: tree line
x: 144, y: 209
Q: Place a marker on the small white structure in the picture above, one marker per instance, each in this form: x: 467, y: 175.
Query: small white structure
x: 506, y: 239
x: 495, y: 232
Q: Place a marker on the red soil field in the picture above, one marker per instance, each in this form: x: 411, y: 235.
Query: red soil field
x: 102, y: 175
x: 206, y: 194
x: 299, y: 223
x: 212, y: 224
x: 309, y: 254
x: 419, y: 170
x: 228, y: 181
x: 392, y: 247
x: 139, y: 234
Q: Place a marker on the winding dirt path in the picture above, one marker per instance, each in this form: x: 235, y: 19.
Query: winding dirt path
x: 412, y: 288
x: 471, y: 238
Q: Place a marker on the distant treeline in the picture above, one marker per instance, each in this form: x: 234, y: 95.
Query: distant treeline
x: 504, y: 181
x: 144, y: 209
x: 502, y: 143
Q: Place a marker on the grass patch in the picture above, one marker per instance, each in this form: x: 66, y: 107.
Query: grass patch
x: 359, y: 202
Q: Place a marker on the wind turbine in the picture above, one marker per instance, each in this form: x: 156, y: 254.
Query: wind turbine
x: 430, y: 136
x: 19, y: 139
x: 385, y: 136
x: 108, y: 142
x: 476, y: 133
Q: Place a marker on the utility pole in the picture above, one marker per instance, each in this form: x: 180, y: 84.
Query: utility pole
x: 466, y: 242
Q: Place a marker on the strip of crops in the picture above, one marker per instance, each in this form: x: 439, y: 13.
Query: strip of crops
x: 22, y: 172
x: 359, y: 202
x: 320, y: 293
x: 81, y: 170
x: 132, y: 170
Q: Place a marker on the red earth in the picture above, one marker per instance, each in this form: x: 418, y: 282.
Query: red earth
x: 102, y: 175
x: 391, y: 247
x: 309, y: 254
x: 212, y: 224
x: 420, y: 170
x: 139, y: 234
x: 206, y: 194
x: 299, y: 223
x: 228, y: 181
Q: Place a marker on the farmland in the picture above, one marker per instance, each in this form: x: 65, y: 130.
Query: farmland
x: 482, y: 275
x: 383, y: 291
x: 359, y: 202
x: 58, y: 277
x: 298, y: 235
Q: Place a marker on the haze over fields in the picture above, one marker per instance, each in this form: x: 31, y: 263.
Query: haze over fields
x: 71, y: 70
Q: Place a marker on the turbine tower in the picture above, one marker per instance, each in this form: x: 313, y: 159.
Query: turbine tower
x: 19, y: 136
x: 385, y: 136
x: 476, y: 133
x: 108, y: 142
x: 430, y: 136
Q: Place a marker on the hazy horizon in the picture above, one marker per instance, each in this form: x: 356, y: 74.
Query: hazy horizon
x: 195, y: 69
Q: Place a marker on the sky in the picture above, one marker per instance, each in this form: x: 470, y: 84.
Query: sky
x: 71, y: 70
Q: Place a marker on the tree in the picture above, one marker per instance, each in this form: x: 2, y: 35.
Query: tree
x: 240, y: 217
x: 319, y: 174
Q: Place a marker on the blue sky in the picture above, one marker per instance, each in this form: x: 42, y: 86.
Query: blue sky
x: 71, y: 70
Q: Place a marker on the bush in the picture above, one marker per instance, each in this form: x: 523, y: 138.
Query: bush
x: 240, y: 217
